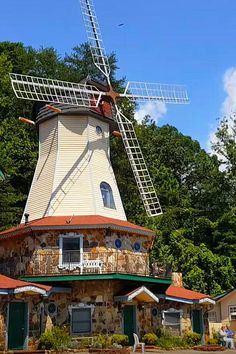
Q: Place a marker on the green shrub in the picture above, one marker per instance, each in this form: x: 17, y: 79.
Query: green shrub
x: 150, y: 339
x: 102, y: 341
x: 117, y: 346
x: 168, y: 341
x: 97, y: 345
x: 216, y: 337
x: 120, y: 339
x: 192, y: 338
x: 57, y: 338
x: 213, y: 341
x: 73, y: 345
x: 84, y: 343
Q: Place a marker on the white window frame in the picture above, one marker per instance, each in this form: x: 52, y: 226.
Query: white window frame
x: 172, y: 310
x: 81, y: 306
x: 232, y: 312
x: 111, y: 200
x: 70, y: 265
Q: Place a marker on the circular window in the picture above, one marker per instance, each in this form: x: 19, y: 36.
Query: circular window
x: 137, y: 246
x: 52, y: 308
x: 154, y: 311
x: 98, y: 130
x: 118, y: 243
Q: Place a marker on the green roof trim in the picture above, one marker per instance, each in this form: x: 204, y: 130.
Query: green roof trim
x: 86, y: 277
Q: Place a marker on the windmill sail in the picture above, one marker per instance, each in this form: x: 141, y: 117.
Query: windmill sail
x: 48, y: 90
x: 143, y: 91
x: 95, y: 37
x: 138, y: 165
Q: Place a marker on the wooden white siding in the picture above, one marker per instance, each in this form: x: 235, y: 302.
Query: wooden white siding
x: 41, y: 187
x: 73, y: 161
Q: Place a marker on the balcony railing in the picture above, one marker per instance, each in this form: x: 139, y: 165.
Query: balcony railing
x: 51, y: 262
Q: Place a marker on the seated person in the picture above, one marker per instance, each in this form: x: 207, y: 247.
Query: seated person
x: 229, y: 332
x: 228, y: 341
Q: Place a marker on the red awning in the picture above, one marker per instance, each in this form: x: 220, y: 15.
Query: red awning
x: 14, y: 286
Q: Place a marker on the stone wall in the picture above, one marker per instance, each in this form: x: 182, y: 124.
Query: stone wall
x: 3, y: 317
x: 107, y: 315
x: 38, y: 253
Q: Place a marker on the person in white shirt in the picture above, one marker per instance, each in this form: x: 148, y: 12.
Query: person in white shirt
x: 228, y: 340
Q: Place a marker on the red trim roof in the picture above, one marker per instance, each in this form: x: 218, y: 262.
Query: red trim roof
x: 76, y: 222
x: 182, y: 293
x: 9, y: 283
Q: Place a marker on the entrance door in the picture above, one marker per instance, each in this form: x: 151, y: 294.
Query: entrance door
x: 129, y: 317
x: 17, y: 325
x: 197, y: 321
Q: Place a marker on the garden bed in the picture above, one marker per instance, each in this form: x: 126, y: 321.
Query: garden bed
x: 210, y: 348
x: 110, y: 350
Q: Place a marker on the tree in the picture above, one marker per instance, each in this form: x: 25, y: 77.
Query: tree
x: 225, y: 144
x: 225, y: 235
x: 202, y: 270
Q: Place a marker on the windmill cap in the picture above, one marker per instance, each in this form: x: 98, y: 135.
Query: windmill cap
x: 42, y: 113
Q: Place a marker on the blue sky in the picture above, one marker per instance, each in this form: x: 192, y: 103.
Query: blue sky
x: 190, y: 42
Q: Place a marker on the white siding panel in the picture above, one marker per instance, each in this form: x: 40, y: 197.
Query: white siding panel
x: 72, y: 191
x: 41, y: 187
x: 102, y: 170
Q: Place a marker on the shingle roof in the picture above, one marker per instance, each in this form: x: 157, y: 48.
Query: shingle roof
x: 7, y: 283
x: 182, y: 293
x: 76, y: 222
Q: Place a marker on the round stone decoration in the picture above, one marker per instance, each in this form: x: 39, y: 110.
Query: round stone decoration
x: 52, y: 308
x: 118, y: 243
x: 137, y: 246
x: 154, y: 311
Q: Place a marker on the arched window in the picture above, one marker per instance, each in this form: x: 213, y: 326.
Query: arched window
x: 107, y: 195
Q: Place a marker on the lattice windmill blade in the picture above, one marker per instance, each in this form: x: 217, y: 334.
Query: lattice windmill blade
x: 143, y: 91
x: 95, y: 38
x: 138, y: 165
x: 48, y: 90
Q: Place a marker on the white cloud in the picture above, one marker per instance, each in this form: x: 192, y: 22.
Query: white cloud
x: 154, y: 109
x: 229, y: 104
x: 212, y: 139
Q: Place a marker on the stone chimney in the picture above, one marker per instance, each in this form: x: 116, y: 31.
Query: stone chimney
x: 177, y: 279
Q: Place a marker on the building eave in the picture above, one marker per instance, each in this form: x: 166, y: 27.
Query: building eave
x: 186, y: 301
x: 92, y: 227
x: 97, y: 277
x: 90, y: 222
x: 151, y: 297
x: 222, y: 297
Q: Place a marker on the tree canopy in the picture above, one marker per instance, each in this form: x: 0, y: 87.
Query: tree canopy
x: 196, y: 235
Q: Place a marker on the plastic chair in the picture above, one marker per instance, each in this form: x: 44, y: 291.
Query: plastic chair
x: 137, y: 343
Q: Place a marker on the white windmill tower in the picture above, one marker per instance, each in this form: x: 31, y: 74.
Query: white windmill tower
x: 74, y: 173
